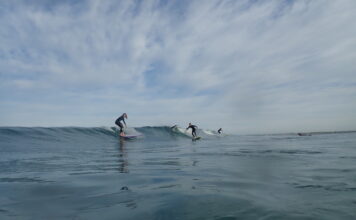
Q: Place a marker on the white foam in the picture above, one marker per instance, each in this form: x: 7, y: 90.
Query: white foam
x: 131, y: 131
x: 208, y: 132
x: 182, y: 131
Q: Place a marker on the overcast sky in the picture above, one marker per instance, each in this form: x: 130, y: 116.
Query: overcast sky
x: 248, y: 66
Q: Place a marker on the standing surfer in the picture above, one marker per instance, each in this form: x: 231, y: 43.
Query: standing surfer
x: 193, y: 127
x: 118, y: 123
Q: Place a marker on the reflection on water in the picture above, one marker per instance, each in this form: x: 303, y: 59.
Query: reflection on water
x: 123, y: 163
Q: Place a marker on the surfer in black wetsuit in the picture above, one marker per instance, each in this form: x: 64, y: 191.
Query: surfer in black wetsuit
x: 220, y: 130
x: 193, y: 127
x: 118, y: 123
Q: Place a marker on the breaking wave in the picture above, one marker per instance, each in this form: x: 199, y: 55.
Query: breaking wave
x: 55, y: 133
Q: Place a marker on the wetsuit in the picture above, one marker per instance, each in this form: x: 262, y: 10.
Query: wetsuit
x: 193, y: 127
x: 219, y: 131
x: 118, y: 122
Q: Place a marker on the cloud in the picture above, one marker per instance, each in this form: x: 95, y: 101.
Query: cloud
x: 247, y: 66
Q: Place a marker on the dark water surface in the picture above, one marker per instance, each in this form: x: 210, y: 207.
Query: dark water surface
x: 88, y: 173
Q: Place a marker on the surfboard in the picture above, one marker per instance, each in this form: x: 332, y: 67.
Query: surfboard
x: 128, y: 137
x: 196, y: 138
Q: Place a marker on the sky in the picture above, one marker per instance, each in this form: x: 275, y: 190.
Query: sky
x: 248, y: 66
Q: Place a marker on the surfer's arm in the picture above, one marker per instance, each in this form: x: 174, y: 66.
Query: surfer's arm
x: 124, y: 122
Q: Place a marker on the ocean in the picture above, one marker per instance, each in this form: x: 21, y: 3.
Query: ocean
x: 90, y: 173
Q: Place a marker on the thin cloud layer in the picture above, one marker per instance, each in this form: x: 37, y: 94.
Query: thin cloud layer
x: 246, y: 66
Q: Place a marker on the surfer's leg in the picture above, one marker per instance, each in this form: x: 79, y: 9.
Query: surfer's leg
x: 121, y: 127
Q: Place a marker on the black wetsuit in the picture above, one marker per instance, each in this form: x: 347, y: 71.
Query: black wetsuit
x: 219, y: 131
x: 193, y: 127
x: 118, y: 122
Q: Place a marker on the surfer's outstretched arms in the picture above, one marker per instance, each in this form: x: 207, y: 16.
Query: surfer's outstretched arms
x: 193, y: 127
x: 118, y: 123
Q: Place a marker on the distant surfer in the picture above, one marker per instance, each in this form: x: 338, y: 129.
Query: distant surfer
x: 220, y: 130
x: 118, y: 123
x: 193, y: 127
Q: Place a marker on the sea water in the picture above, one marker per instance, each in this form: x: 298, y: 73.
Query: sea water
x: 90, y: 173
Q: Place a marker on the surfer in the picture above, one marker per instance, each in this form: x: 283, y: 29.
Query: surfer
x: 118, y: 123
x: 220, y: 130
x: 193, y: 127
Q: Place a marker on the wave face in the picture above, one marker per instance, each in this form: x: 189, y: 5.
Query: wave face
x: 60, y: 133
x: 56, y: 133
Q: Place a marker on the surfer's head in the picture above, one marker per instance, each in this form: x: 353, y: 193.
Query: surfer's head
x: 190, y: 124
x: 125, y: 115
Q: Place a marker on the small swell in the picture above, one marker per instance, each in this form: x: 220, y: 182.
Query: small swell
x: 23, y: 180
x: 342, y: 187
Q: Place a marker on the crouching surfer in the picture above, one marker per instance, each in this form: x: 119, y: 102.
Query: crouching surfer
x: 220, y: 130
x: 118, y: 123
x: 193, y: 127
